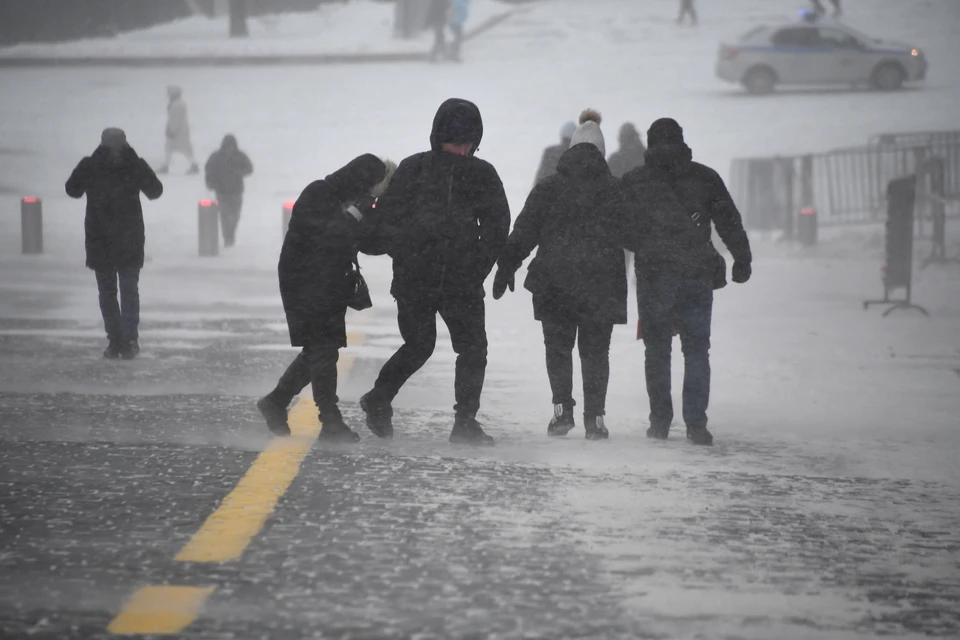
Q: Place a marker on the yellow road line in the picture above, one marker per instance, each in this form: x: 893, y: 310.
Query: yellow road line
x: 160, y: 610
x: 241, y: 515
x: 165, y: 609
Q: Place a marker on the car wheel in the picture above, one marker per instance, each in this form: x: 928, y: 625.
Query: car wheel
x: 889, y: 76
x: 760, y: 81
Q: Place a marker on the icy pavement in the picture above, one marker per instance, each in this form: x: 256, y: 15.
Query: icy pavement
x: 829, y: 507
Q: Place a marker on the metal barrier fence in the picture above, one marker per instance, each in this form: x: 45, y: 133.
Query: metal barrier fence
x: 845, y: 186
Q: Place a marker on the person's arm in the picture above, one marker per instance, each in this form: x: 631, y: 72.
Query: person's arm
x: 493, y: 218
x: 726, y: 218
x: 210, y: 170
x: 150, y: 185
x: 526, y: 232
x: 79, y: 179
x: 393, y: 207
x: 246, y: 167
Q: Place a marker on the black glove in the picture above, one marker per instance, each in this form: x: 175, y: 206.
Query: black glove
x: 741, y: 272
x: 501, y: 281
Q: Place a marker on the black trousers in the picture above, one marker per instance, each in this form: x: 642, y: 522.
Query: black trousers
x: 466, y: 320
x: 315, y: 365
x: 687, y: 9
x: 229, y: 205
x: 594, y: 344
x: 688, y: 303
x: 121, y: 319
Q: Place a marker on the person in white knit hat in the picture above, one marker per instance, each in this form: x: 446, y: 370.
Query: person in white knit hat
x: 578, y: 277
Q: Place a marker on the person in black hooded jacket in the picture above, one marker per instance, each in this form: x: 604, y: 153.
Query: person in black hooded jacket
x: 578, y: 277
x: 113, y: 179
x: 444, y: 221
x: 317, y: 280
x: 630, y: 154
x: 672, y: 201
x: 225, y: 170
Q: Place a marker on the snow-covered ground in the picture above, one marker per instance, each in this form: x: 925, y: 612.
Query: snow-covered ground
x: 840, y: 408
x: 357, y: 27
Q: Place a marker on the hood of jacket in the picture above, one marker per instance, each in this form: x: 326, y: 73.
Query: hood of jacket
x: 629, y: 137
x: 229, y: 143
x: 674, y: 159
x: 457, y: 121
x: 357, y: 177
x: 583, y: 161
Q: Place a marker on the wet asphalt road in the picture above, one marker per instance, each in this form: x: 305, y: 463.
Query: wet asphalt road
x: 107, y: 469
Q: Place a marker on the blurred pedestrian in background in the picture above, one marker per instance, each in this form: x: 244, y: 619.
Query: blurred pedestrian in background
x: 459, y: 13
x: 630, y: 154
x: 225, y: 171
x: 437, y: 17
x: 178, y: 131
x: 113, y: 178
x: 578, y: 278
x: 687, y: 9
x: 551, y: 155
x: 319, y: 273
x: 672, y: 200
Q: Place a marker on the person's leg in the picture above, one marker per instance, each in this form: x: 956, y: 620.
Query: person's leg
x: 655, y: 302
x: 558, y: 341
x: 466, y: 320
x: 694, y: 313
x: 439, y: 43
x: 594, y: 343
x: 418, y: 328
x: 230, y: 205
x: 457, y: 41
x: 322, y: 358
x: 273, y: 406
x: 109, y: 306
x: 130, y: 303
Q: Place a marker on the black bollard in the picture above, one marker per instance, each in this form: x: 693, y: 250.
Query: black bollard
x: 208, y: 215
x: 31, y: 225
x: 807, y: 227
x: 286, y: 213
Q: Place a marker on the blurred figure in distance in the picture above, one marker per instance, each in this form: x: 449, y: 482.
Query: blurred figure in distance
x: 178, y: 131
x: 551, y: 155
x: 225, y: 171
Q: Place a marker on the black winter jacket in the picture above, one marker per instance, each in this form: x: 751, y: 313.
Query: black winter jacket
x: 316, y: 264
x: 661, y: 197
x: 577, y: 220
x: 114, y: 220
x: 227, y: 167
x: 444, y: 219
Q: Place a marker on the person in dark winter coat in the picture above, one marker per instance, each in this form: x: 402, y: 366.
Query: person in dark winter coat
x: 673, y: 200
x: 630, y: 154
x: 113, y: 179
x: 225, y: 171
x: 444, y: 220
x: 317, y: 280
x: 578, y: 278
x: 551, y: 155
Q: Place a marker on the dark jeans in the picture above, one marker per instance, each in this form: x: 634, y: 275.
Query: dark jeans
x: 121, y: 320
x: 594, y: 343
x: 664, y: 301
x: 230, y: 205
x: 466, y: 320
x: 316, y: 365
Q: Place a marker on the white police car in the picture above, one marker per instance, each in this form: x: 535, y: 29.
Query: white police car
x: 816, y: 51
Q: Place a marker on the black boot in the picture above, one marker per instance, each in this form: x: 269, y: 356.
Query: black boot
x: 337, y: 431
x: 658, y: 432
x: 595, y: 428
x: 379, y: 416
x: 130, y: 349
x: 466, y: 430
x: 275, y: 414
x: 562, y: 421
x: 699, y: 435
x: 112, y: 352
